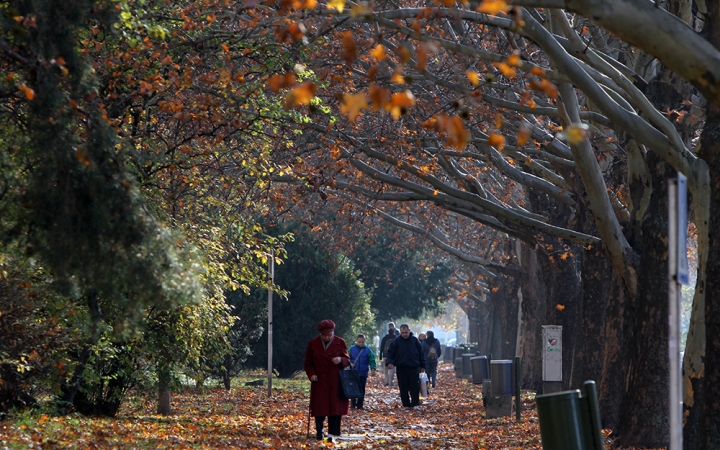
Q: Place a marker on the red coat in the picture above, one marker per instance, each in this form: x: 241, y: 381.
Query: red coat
x: 325, y: 397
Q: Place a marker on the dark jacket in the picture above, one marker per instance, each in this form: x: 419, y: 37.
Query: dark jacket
x: 365, y: 359
x: 406, y: 353
x: 388, y: 337
x: 426, y: 350
x: 325, y: 397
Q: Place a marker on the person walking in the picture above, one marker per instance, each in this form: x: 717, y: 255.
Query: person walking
x: 405, y: 354
x: 384, y: 345
x: 362, y: 359
x: 432, y: 351
x: 325, y: 356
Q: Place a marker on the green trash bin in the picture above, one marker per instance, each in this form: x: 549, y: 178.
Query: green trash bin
x: 569, y: 421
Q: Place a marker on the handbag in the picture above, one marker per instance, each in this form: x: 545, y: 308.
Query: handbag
x: 349, y: 383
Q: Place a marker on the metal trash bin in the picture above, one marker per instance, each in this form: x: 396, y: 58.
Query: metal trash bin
x: 480, y: 369
x: 458, y: 367
x: 466, y: 365
x: 449, y: 354
x: 569, y: 420
x: 501, y: 375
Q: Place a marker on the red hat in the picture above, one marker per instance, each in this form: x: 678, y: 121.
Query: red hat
x: 326, y: 326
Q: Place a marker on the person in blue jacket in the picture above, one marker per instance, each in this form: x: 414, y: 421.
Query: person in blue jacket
x: 362, y: 359
x: 406, y: 354
x: 432, y: 351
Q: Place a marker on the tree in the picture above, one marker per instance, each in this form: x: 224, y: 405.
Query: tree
x: 321, y: 286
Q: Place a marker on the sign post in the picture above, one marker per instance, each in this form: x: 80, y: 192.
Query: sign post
x: 677, y: 276
x: 271, y: 270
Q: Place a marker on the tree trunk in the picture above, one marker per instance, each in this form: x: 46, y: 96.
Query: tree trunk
x: 644, y: 413
x: 596, y: 276
x: 534, y: 308
x: 70, y: 390
x: 612, y: 380
x: 505, y: 302
x: 163, y: 390
x: 708, y: 431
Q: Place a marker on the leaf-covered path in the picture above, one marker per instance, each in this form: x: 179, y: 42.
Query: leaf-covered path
x: 452, y: 417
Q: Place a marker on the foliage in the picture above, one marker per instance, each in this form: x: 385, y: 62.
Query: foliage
x: 35, y: 326
x: 321, y: 285
x: 401, y: 280
x: 454, y: 417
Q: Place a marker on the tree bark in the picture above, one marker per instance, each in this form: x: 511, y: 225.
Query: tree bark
x: 70, y: 390
x: 534, y: 307
x: 164, y: 390
x: 643, y: 417
x: 708, y: 431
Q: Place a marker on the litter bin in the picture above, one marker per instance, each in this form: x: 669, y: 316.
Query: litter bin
x: 501, y: 375
x: 449, y: 354
x: 480, y: 369
x: 458, y: 367
x: 570, y: 421
x: 466, y: 366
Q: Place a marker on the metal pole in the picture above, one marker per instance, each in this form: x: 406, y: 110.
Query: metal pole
x: 271, y: 270
x: 674, y: 294
x: 518, y: 397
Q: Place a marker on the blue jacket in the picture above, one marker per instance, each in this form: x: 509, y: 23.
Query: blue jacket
x: 426, y: 350
x: 406, y: 353
x: 365, y: 361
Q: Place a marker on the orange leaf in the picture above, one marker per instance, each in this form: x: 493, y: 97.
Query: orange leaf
x: 379, y: 52
x: 353, y: 104
x: 29, y: 93
x: 523, y: 136
x: 559, y: 307
x: 492, y: 7
x: 336, y: 4
x: 505, y: 69
x: 473, y: 77
x: 302, y: 94
x: 496, y: 140
x: 350, y: 53
x: 399, y: 103
x: 379, y: 97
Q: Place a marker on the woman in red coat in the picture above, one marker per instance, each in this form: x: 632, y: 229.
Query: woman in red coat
x: 326, y: 355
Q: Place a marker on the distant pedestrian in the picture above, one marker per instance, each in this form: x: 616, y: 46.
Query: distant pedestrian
x: 325, y: 356
x: 421, y: 337
x: 405, y: 353
x: 432, y: 351
x: 384, y: 346
x: 362, y: 359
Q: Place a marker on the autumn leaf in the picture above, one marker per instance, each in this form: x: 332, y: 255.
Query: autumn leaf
x: 545, y: 86
x: 379, y: 97
x: 575, y: 134
x: 473, y: 77
x: 399, y: 103
x: 336, y: 4
x: 29, y: 93
x: 492, y: 7
x: 523, y: 136
x: 379, y: 52
x: 559, y: 307
x: 301, y: 95
x: 353, y: 104
x: 497, y: 141
x: 397, y: 76
x: 506, y: 69
x: 514, y: 59
x: 350, y: 52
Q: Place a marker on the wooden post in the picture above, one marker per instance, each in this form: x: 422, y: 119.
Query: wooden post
x: 674, y: 298
x: 271, y: 270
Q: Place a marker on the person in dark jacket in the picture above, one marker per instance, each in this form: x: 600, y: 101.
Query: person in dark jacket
x: 384, y: 346
x: 325, y: 356
x: 431, y: 358
x: 405, y: 354
x: 362, y: 359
